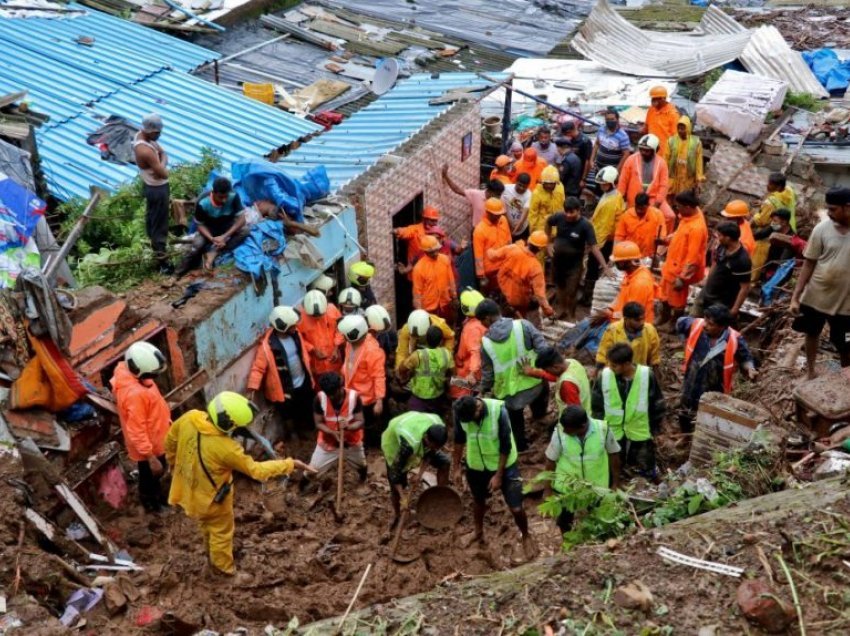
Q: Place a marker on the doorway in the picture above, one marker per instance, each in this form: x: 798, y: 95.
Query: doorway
x: 408, y: 215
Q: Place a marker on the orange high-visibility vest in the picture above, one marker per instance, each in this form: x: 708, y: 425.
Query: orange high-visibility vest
x: 728, y: 357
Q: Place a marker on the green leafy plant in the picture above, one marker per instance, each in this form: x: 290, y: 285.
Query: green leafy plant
x: 803, y: 100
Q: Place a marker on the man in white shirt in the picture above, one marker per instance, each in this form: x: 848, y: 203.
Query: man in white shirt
x: 517, y: 198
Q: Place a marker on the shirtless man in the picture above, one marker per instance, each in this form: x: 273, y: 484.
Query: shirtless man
x: 152, y: 162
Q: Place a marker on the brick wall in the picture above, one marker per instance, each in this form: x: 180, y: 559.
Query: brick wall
x: 411, y: 169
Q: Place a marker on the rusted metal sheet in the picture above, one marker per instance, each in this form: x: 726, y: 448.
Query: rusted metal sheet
x: 175, y: 357
x: 92, y: 367
x: 96, y: 331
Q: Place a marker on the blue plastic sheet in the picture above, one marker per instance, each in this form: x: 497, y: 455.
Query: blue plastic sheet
x: 583, y: 336
x: 830, y: 71
x: 256, y: 180
x: 20, y: 211
x: 258, y: 253
x: 780, y: 276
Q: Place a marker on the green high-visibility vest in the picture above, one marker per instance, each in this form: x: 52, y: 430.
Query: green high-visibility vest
x: 587, y: 460
x: 482, y: 440
x: 576, y: 374
x: 508, y: 358
x: 429, y: 379
x: 633, y: 419
x: 674, y: 141
x: 411, y: 427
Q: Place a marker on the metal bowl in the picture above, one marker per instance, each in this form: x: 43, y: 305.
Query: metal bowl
x: 439, y: 507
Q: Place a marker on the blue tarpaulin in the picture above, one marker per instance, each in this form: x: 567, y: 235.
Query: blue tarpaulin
x: 258, y: 253
x: 257, y: 180
x: 20, y: 211
x: 833, y: 73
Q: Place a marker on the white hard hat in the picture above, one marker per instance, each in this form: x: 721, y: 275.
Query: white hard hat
x: 323, y: 283
x: 648, y: 141
x: 378, y: 318
x: 608, y: 174
x: 418, y: 323
x: 315, y: 303
x: 282, y: 317
x: 350, y: 296
x: 144, y: 360
x: 353, y: 327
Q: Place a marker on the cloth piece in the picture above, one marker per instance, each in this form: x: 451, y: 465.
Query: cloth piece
x: 112, y: 486
x: 768, y: 290
x: 20, y: 211
x: 47, y: 380
x: 256, y: 180
x: 584, y: 336
x: 114, y: 139
x: 16, y: 163
x: 258, y: 253
x: 15, y: 260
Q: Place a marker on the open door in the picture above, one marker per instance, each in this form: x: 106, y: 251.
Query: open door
x: 408, y: 215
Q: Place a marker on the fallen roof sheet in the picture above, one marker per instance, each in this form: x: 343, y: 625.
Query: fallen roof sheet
x: 608, y: 38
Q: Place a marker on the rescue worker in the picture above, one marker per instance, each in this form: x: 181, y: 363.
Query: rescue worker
x: 638, y: 284
x: 360, y: 276
x: 608, y: 211
x: 634, y: 330
x: 628, y: 398
x: 572, y: 386
x: 505, y: 171
x: 145, y: 418
x: 468, y: 355
x: 413, y: 439
x: 319, y: 337
x: 381, y: 326
x: 647, y: 172
x: 493, y: 232
x: 414, y: 330
x: 684, y: 159
x: 532, y: 165
x: 324, y: 284
x: 337, y: 411
x: 505, y: 349
x: 738, y: 211
x: 434, y: 285
x: 780, y: 196
x: 521, y: 277
x: 483, y: 439
x: 685, y: 261
x: 201, y: 448
x: 642, y: 225
x: 581, y: 448
x: 282, y: 368
x: 712, y: 352
x: 412, y: 235
x: 428, y: 370
x: 364, y: 371
x: 546, y: 199
x: 662, y: 119
x: 350, y: 302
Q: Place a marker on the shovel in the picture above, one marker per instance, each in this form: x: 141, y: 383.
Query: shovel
x: 339, y: 478
x: 401, y: 558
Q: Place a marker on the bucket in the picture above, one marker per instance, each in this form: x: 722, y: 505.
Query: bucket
x: 261, y: 92
x: 493, y: 124
x: 439, y: 507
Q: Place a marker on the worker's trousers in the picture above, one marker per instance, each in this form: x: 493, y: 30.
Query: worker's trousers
x: 217, y: 528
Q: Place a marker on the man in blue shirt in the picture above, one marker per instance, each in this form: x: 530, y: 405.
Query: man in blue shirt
x: 611, y: 148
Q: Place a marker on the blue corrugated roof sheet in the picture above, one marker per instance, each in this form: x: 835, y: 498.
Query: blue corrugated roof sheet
x: 129, y: 70
x: 350, y: 149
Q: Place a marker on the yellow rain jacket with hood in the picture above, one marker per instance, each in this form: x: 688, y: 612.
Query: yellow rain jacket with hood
x: 684, y: 160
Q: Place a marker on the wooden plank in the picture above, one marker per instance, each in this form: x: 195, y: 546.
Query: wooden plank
x: 181, y: 394
x: 76, y: 504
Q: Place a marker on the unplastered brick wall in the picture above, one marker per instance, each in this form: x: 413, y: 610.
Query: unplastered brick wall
x: 411, y: 169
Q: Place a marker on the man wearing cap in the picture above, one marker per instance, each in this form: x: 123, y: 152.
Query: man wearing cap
x: 532, y: 165
x: 646, y: 172
x: 517, y: 200
x: 582, y: 147
x: 434, y: 285
x: 822, y: 293
x: 738, y: 212
x: 643, y: 225
x: 152, y: 162
x: 476, y: 197
x: 504, y: 170
x: 492, y: 233
x: 638, y: 284
x: 521, y: 276
x: 360, y: 276
x: 684, y: 159
x: 569, y: 167
x: 544, y: 147
x: 412, y: 236
x: 546, y: 199
x: 317, y: 328
x: 411, y: 336
x: 661, y: 119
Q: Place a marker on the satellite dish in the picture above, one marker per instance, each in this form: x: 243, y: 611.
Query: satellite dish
x: 385, y: 76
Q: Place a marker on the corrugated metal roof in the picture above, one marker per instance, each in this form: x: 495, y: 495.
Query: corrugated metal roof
x: 609, y: 39
x: 350, y: 149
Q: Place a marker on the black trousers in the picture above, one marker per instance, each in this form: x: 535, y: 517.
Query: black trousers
x: 158, y: 199
x: 298, y: 409
x: 151, y: 494
x: 539, y: 406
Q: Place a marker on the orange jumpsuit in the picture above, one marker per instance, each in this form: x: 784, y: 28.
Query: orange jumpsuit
x: 468, y: 356
x: 639, y: 287
x: 642, y: 231
x: 412, y: 235
x: 687, y: 247
x: 631, y: 184
x: 488, y: 236
x: 504, y: 177
x: 364, y: 370
x: 264, y: 370
x: 143, y: 413
x: 662, y: 123
x: 434, y: 286
x: 521, y: 277
x: 747, y: 238
x: 531, y: 168
x: 321, y: 341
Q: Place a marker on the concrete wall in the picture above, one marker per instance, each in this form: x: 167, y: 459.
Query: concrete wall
x: 222, y: 340
x: 412, y: 169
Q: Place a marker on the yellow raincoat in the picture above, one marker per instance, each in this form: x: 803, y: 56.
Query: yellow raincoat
x: 684, y: 160
x: 193, y: 491
x: 544, y: 203
x: 608, y: 211
x: 786, y: 199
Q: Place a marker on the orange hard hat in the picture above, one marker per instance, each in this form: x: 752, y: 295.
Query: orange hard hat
x: 736, y: 209
x: 625, y: 251
x: 494, y: 206
x: 431, y: 213
x: 502, y: 161
x: 538, y: 239
x: 658, y: 91
x: 429, y: 243
x: 530, y: 154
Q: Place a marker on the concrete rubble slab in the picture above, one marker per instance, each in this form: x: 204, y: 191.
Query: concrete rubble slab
x: 723, y: 423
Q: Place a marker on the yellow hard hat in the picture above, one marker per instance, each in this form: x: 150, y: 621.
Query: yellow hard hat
x: 229, y: 410
x: 429, y: 243
x: 469, y: 300
x: 361, y: 270
x: 658, y: 91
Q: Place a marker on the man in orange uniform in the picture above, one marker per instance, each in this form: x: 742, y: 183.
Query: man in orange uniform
x: 318, y: 332
x: 642, y: 225
x: 281, y: 367
x: 145, y: 418
x: 532, y: 165
x: 661, y: 119
x: 739, y: 212
x: 412, y: 234
x: 521, y: 276
x: 434, y: 286
x: 638, y: 284
x: 685, y: 262
x: 505, y: 171
x: 468, y: 355
x: 364, y: 371
x: 647, y: 172
x: 492, y: 233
